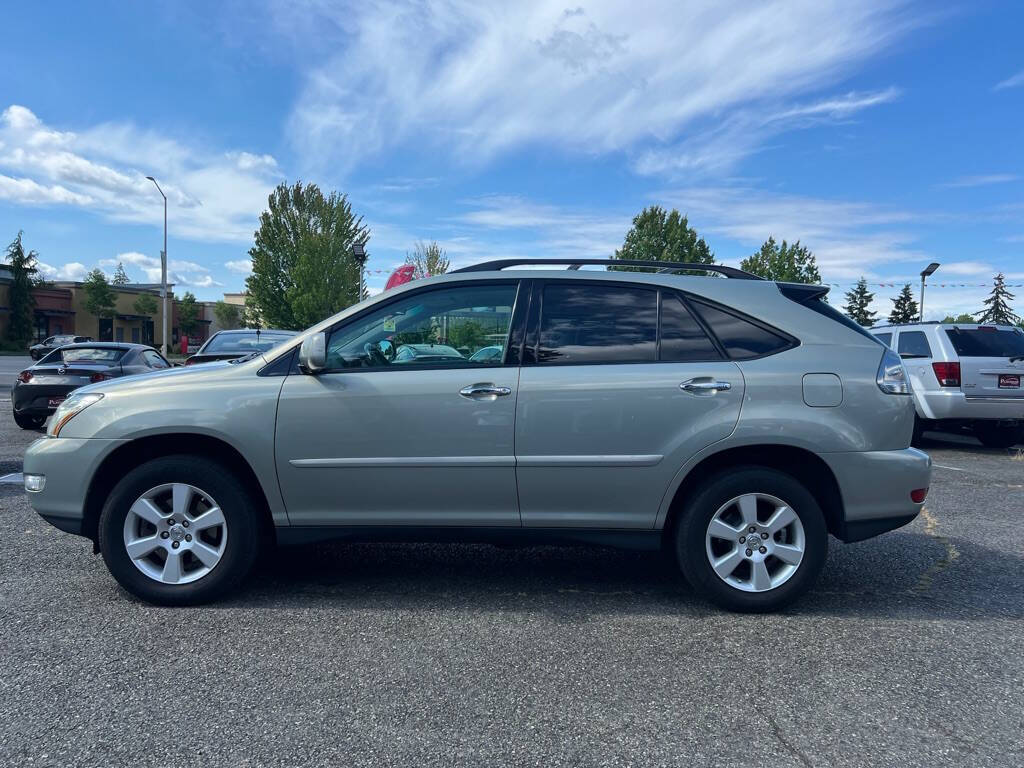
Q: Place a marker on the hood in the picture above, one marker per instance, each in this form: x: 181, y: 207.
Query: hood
x: 170, y: 377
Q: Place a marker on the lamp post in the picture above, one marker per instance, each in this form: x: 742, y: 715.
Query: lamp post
x: 163, y: 270
x: 359, y: 254
x: 926, y: 272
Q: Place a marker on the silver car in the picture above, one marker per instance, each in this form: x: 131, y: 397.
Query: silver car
x: 963, y: 375
x: 734, y: 423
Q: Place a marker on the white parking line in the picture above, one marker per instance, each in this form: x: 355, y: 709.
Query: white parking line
x: 955, y: 469
x: 15, y: 478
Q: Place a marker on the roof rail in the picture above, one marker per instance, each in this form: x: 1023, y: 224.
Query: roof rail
x: 574, y: 264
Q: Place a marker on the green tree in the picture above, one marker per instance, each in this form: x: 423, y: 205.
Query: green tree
x: 657, y: 235
x: 857, y: 302
x: 997, y: 306
x: 466, y: 335
x: 962, y: 318
x: 228, y: 315
x: 188, y: 313
x: 786, y: 263
x: 904, y: 308
x: 99, y: 296
x: 428, y: 260
x: 145, y: 304
x: 120, y: 276
x: 20, y: 298
x: 302, y: 264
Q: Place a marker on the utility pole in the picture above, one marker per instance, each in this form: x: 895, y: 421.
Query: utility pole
x: 163, y: 271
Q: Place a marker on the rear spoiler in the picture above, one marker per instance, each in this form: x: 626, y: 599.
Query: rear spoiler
x: 802, y: 293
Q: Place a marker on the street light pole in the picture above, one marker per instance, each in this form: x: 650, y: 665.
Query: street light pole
x: 359, y: 253
x: 163, y: 270
x: 926, y: 272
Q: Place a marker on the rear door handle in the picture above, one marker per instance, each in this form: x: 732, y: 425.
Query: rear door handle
x: 705, y: 386
x: 485, y: 391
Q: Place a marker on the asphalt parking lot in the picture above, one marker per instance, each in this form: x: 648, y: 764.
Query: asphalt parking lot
x: 909, y: 652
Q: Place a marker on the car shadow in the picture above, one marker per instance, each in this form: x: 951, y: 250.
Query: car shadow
x: 904, y: 574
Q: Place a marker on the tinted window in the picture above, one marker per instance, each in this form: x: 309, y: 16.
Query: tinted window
x: 153, y: 360
x: 741, y: 338
x: 885, y: 338
x: 86, y: 355
x: 243, y: 343
x: 445, y: 326
x: 593, y: 323
x: 986, y: 342
x: 914, y: 344
x: 682, y: 338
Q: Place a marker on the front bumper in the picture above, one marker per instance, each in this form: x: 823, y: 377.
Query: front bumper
x: 875, y: 487
x: 953, y: 404
x: 69, y: 465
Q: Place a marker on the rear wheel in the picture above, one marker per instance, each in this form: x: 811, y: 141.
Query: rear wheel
x: 29, y: 422
x: 179, y: 530
x: 997, y: 435
x: 751, y: 539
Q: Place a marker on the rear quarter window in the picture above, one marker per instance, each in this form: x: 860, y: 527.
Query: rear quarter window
x: 914, y: 344
x: 885, y: 338
x: 741, y: 338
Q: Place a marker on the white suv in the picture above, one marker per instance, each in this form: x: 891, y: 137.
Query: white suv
x: 964, y: 375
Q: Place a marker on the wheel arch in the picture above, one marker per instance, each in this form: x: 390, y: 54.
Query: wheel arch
x: 803, y: 465
x: 138, y: 451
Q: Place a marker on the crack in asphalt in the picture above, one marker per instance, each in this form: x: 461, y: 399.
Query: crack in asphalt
x: 794, y: 750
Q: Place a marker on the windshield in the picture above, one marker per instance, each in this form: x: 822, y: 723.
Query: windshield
x: 986, y: 342
x: 86, y: 355
x: 243, y: 343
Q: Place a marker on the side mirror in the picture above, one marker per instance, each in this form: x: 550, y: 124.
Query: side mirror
x: 387, y: 349
x: 313, y: 353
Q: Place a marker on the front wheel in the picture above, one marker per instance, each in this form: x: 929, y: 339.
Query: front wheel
x: 751, y: 539
x: 997, y: 435
x: 29, y: 422
x: 179, y: 530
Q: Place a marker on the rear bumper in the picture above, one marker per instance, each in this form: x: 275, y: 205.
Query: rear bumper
x: 954, y: 404
x: 876, y: 487
x: 33, y: 400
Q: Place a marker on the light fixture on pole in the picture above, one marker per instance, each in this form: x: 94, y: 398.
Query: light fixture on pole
x: 926, y: 272
x: 359, y: 254
x: 163, y: 270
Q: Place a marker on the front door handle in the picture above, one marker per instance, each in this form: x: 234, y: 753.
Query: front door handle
x: 705, y: 386
x: 485, y: 391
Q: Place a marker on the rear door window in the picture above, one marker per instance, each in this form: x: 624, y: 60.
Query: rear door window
x: 682, y: 338
x: 885, y: 338
x: 597, y: 323
x: 986, y: 342
x: 742, y: 339
x: 914, y: 344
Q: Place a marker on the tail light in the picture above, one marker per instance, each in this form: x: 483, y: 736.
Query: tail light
x: 918, y: 495
x: 25, y: 377
x: 100, y: 377
x: 948, y: 374
x: 892, y: 378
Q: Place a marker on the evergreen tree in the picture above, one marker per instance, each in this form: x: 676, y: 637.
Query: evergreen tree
x: 997, y: 306
x: 857, y: 302
x: 904, y: 308
x: 20, y: 299
x: 785, y: 263
x: 120, y: 276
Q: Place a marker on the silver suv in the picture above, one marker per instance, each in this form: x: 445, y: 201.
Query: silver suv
x: 963, y: 376
x: 733, y: 423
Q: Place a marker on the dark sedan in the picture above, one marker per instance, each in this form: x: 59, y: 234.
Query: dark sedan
x: 231, y: 345
x: 37, y: 351
x: 42, y: 387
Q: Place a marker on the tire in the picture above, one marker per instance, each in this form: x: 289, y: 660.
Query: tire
x: 996, y: 436
x: 237, y: 550
x: 711, y: 500
x: 29, y: 422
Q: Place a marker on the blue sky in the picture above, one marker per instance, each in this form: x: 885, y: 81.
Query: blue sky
x: 881, y: 134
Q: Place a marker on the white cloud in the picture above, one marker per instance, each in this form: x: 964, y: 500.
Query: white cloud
x: 179, y: 272
x: 981, y: 180
x: 239, y: 266
x: 480, y: 78
x: 212, y: 195
x: 1013, y: 81
x: 71, y: 271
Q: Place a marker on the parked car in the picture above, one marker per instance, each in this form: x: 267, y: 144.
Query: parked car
x: 488, y: 354
x: 963, y: 376
x: 41, y: 388
x: 427, y: 353
x: 732, y: 422
x: 231, y: 345
x: 37, y: 351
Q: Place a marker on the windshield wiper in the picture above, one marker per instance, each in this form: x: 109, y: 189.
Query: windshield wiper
x: 245, y: 359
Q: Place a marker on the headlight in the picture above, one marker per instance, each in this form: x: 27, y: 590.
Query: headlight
x: 70, y: 408
x: 892, y: 377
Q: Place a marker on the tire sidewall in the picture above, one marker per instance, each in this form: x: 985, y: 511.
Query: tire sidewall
x: 691, y: 535
x: 240, y: 515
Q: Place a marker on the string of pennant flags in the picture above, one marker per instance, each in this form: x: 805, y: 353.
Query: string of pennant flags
x: 930, y: 285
